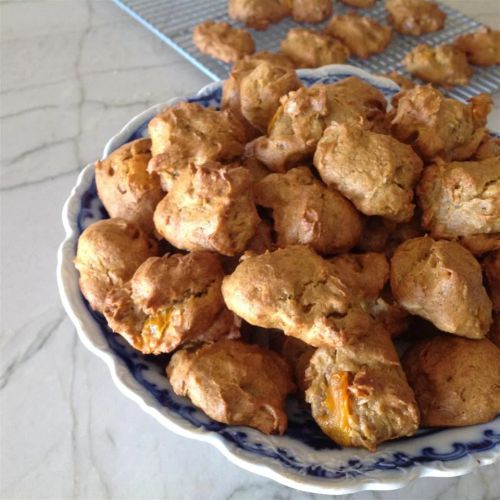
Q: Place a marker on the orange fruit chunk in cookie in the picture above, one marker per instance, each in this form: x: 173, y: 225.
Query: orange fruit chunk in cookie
x: 157, y: 323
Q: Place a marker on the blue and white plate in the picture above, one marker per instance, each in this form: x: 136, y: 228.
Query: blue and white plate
x: 304, y: 458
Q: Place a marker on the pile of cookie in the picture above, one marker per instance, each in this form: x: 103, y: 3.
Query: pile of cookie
x: 352, y: 35
x: 313, y: 221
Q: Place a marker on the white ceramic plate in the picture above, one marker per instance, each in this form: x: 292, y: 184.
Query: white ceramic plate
x: 303, y: 458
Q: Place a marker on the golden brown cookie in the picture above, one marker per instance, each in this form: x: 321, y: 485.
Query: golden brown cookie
x: 171, y: 300
x: 441, y: 281
x: 385, y: 172
x: 234, y: 383
x: 311, y: 11
x: 305, y: 212
x: 362, y: 35
x: 274, y: 79
x: 231, y: 96
x: 438, y: 126
x: 415, y: 17
x: 291, y: 289
x: 298, y: 354
x: 311, y: 49
x: 491, y: 268
x: 481, y: 47
x: 303, y: 115
x: 358, y: 392
x: 494, y: 333
x: 109, y: 251
x: 261, y: 90
x: 209, y: 207
x: 188, y: 132
x: 125, y: 187
x: 489, y: 148
x: 262, y: 241
x: 222, y: 41
x: 479, y: 244
x: 366, y: 276
x: 444, y: 65
x: 402, y: 81
x: 456, y: 381
x: 259, y: 14
x: 276, y: 58
x: 364, y: 4
x: 460, y: 198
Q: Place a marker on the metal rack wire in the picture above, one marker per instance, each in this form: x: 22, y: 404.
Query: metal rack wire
x: 174, y: 20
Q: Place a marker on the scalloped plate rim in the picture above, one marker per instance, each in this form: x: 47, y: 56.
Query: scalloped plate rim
x: 89, y: 332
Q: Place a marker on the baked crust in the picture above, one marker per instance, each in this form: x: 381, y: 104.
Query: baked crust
x: 305, y: 212
x: 222, y: 41
x: 364, y: 4
x: 171, y: 300
x: 109, y: 251
x: 290, y: 289
x: 311, y: 11
x: 415, y: 17
x: 385, y: 172
x: 209, y: 207
x: 438, y: 126
x: 366, y: 276
x: 479, y: 244
x: 491, y: 269
x: 310, y: 49
x: 456, y: 381
x: 441, y: 281
x: 402, y: 81
x: 481, y: 47
x: 259, y: 14
x: 303, y: 115
x: 362, y: 35
x: 443, y: 65
x: 298, y: 355
x: 125, y: 187
x: 261, y: 90
x: 234, y: 383
x: 461, y: 198
x: 188, y: 132
x: 358, y: 392
x: 489, y: 148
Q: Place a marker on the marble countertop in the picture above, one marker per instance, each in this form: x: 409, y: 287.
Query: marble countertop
x: 73, y: 72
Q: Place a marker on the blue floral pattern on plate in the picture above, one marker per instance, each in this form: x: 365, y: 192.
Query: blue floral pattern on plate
x: 304, y: 457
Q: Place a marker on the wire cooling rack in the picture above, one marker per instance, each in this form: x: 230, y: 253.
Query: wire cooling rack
x: 174, y: 20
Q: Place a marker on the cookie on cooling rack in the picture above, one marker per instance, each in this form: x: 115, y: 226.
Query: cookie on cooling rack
x: 415, y: 17
x: 362, y: 35
x: 311, y: 11
x: 259, y: 14
x: 310, y: 49
x: 443, y: 65
x: 481, y: 47
x: 222, y: 41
